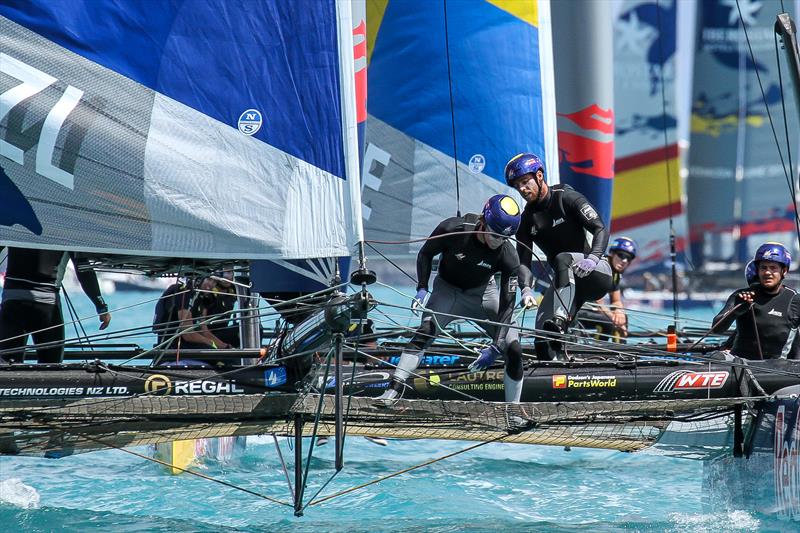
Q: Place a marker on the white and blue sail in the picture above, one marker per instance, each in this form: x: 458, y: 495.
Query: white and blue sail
x: 195, y: 129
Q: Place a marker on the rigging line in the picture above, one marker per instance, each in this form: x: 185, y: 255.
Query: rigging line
x: 672, y: 239
x: 164, y: 463
x: 346, y: 414
x: 317, y: 416
x: 409, y: 276
x: 73, y: 317
x: 792, y: 184
x: 766, y: 105
x: 452, y: 107
x: 283, y: 464
x: 406, y: 470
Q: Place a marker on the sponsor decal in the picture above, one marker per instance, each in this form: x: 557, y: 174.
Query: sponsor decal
x: 513, y: 284
x: 275, y: 377
x: 583, y: 381
x: 460, y: 256
x: 430, y: 360
x: 558, y: 221
x: 158, y: 384
x: 588, y: 212
x: 64, y: 391
x: 250, y: 122
x: 689, y: 380
x: 787, y: 463
x: 476, y: 163
x: 479, y: 381
x: 484, y: 264
x: 773, y: 312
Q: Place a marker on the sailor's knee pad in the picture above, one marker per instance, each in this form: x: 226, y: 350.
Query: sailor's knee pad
x: 425, y: 334
x: 513, y: 357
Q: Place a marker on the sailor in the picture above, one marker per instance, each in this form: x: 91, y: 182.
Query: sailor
x: 32, y: 302
x: 473, y: 249
x: 621, y: 254
x: 558, y: 220
x: 181, y: 309
x: 767, y: 314
x: 217, y: 298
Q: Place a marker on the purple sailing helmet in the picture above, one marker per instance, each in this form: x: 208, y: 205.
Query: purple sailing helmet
x: 751, y: 273
x: 773, y: 251
x: 501, y: 214
x: 522, y: 164
x: 623, y: 244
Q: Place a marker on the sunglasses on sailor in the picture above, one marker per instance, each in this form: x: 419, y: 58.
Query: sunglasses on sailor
x: 624, y: 256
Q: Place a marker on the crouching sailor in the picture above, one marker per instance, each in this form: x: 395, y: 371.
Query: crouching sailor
x: 473, y: 249
x: 558, y: 220
x: 767, y: 313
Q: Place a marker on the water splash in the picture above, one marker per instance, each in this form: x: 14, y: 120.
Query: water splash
x: 13, y: 491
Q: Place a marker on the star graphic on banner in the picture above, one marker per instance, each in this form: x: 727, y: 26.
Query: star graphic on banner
x: 749, y: 9
x: 632, y: 35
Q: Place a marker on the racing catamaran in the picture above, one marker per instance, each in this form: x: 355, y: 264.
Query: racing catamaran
x: 139, y: 145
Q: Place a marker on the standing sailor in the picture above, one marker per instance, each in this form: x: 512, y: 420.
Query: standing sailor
x: 558, y: 220
x: 473, y: 249
x: 32, y: 302
x: 767, y: 314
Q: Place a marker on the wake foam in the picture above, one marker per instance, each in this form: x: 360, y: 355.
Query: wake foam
x: 15, y: 492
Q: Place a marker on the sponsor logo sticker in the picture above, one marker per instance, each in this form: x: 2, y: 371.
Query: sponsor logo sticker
x: 588, y: 212
x: 477, y: 163
x: 689, y: 380
x: 559, y: 381
x: 275, y: 377
x: 250, y: 122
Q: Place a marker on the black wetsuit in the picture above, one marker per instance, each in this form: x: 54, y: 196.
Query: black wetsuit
x: 558, y: 224
x: 166, y: 321
x: 467, y: 263
x: 31, y: 301
x: 777, y: 317
x: 219, y: 304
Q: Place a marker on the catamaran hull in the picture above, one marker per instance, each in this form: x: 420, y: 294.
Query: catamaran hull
x: 545, y: 382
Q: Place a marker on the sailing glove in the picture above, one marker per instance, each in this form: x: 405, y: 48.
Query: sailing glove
x: 586, y: 266
x: 418, y: 300
x: 528, y: 300
x: 485, y: 359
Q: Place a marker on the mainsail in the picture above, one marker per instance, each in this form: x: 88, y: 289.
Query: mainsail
x: 455, y: 90
x: 734, y: 157
x: 647, y: 191
x: 198, y: 129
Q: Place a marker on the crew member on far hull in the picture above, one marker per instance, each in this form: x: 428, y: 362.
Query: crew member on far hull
x: 558, y: 220
x: 767, y: 313
x: 473, y: 249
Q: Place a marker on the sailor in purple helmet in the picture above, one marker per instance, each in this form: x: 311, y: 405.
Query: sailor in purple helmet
x: 560, y: 221
x: 473, y: 249
x: 767, y: 313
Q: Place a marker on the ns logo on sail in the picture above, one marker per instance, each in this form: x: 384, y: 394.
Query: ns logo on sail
x: 250, y: 122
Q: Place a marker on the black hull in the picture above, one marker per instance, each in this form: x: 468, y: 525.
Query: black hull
x: 544, y: 382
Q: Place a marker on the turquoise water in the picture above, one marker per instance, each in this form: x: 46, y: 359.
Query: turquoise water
x: 495, y: 487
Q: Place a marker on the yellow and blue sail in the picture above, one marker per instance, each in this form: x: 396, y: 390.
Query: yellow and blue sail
x: 449, y: 83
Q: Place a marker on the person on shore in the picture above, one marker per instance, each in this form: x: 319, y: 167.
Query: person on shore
x: 32, y: 302
x: 558, y: 220
x: 767, y: 313
x: 473, y: 249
